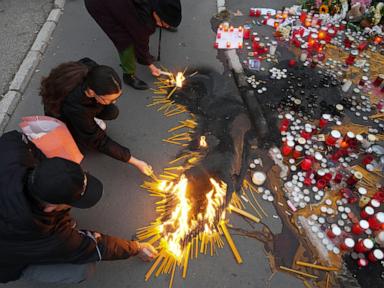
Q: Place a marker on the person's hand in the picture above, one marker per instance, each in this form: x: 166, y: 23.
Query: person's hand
x: 154, y: 70
x: 146, y: 252
x: 144, y: 168
x: 141, y: 165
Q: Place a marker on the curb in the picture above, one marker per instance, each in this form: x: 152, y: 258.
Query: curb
x: 25, y: 72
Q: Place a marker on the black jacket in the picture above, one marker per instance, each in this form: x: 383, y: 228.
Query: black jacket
x: 78, y: 112
x: 28, y: 235
x: 126, y: 22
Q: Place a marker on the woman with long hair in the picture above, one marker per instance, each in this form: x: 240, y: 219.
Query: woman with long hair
x: 82, y: 94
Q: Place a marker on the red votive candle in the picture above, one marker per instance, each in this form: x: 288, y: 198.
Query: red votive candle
x: 362, y: 262
x: 306, y: 164
x: 306, y: 133
x: 367, y: 159
x: 247, y: 32
x: 354, y: 178
x: 367, y: 212
x: 334, y: 232
x: 321, y: 183
x: 351, y: 57
x: 287, y: 148
x: 376, y: 222
x: 332, y: 138
x: 347, y: 244
x: 360, y: 227
x: 324, y: 120
x: 379, y: 79
x: 364, y: 245
x: 298, y: 151
x: 375, y: 255
x: 338, y: 178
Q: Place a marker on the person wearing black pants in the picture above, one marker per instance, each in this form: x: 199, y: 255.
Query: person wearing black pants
x: 129, y: 23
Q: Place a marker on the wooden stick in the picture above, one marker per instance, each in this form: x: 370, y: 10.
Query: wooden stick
x: 319, y: 267
x: 298, y: 272
x: 171, y: 93
x: 327, y: 282
x: 230, y: 242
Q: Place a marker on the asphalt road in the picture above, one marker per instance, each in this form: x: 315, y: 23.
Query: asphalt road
x: 125, y: 207
x: 20, y: 21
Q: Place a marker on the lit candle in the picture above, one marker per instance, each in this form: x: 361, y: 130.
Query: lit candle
x: 378, y: 39
x: 323, y: 33
x: 247, y: 32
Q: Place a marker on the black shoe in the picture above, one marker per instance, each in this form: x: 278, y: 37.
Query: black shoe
x: 135, y: 82
x: 171, y: 29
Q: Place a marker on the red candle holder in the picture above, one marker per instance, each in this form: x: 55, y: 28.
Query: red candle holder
x: 362, y: 262
x: 252, y: 12
x: 334, y: 232
x: 375, y: 255
x: 367, y: 159
x: 362, y: 46
x: 367, y: 212
x: 303, y: 15
x: 376, y: 222
x: 347, y: 244
x: 247, y: 32
x: 292, y: 63
x: 324, y: 120
x: 298, y: 152
x: 321, y: 183
x: 364, y: 245
x: 216, y: 45
x: 306, y: 164
x: 258, y: 13
x: 379, y: 79
x: 306, y: 133
x: 352, y: 57
x: 338, y: 178
x: 348, y: 42
x: 287, y: 148
x: 343, y: 25
x: 332, y: 138
x: 360, y: 227
x: 354, y: 178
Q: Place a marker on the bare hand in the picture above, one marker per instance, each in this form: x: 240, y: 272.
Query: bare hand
x: 154, y: 70
x: 147, y: 252
x: 141, y: 165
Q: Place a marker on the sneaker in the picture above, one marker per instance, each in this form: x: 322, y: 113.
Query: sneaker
x: 135, y: 82
x: 101, y: 123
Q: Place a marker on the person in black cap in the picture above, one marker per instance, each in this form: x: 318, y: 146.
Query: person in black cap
x: 129, y: 23
x: 38, y: 238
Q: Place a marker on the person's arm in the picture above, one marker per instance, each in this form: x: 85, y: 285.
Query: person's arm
x: 79, y: 247
x: 89, y: 133
x: 123, y: 12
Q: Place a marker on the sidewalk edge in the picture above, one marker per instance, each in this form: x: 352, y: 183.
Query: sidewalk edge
x: 25, y: 72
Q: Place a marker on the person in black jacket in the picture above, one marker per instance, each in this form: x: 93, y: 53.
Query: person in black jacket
x: 129, y: 23
x: 81, y: 93
x: 38, y: 237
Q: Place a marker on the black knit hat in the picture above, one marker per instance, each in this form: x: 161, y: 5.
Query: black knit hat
x: 169, y: 11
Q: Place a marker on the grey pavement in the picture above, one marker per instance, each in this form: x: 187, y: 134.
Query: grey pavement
x: 125, y: 206
x: 20, y: 21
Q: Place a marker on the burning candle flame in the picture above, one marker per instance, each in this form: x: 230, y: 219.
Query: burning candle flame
x: 203, y: 142
x: 179, y: 79
x: 181, y: 223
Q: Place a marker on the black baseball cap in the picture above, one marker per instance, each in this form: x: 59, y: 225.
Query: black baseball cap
x: 169, y: 11
x: 60, y: 181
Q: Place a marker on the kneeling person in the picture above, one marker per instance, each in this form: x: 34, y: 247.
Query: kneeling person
x: 38, y: 237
